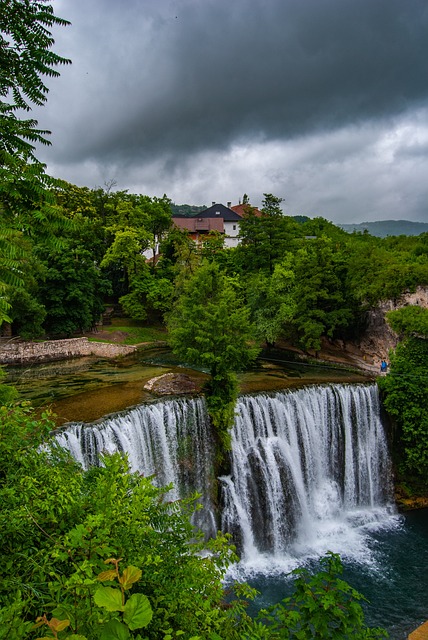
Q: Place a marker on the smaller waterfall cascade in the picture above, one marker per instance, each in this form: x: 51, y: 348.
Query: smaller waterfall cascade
x: 308, y: 467
x: 169, y: 439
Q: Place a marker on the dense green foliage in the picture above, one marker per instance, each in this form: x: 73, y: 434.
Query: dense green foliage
x: 105, y: 554
x: 405, y: 391
x: 300, y: 281
x: 61, y: 525
x: 409, y: 321
x: 25, y: 60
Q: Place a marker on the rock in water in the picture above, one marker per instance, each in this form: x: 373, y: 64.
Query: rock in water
x: 171, y: 384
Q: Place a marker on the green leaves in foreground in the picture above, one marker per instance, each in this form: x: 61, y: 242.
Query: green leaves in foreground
x: 135, y: 612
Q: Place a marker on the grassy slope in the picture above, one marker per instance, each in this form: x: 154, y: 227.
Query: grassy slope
x: 126, y: 331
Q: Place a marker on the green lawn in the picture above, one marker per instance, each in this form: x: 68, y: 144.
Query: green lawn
x: 133, y: 332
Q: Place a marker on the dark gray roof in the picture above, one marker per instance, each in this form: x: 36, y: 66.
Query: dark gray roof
x: 218, y: 211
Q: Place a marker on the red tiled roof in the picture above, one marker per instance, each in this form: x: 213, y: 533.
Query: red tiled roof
x: 240, y: 209
x: 199, y: 225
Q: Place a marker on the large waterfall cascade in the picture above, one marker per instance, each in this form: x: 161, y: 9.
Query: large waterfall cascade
x: 306, y: 466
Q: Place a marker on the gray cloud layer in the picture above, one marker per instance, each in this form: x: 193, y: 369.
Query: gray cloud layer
x: 277, y: 91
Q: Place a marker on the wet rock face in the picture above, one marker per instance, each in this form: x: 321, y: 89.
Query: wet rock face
x: 171, y: 384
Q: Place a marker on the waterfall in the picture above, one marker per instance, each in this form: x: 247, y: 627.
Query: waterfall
x: 310, y: 472
x: 170, y: 440
x: 309, y: 469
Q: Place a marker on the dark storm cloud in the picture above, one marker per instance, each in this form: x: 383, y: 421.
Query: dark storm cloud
x: 322, y: 102
x: 168, y: 79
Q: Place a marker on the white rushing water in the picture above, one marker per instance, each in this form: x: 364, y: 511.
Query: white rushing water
x: 170, y: 440
x: 310, y: 474
x: 310, y: 469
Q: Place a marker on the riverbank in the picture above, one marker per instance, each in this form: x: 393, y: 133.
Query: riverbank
x: 114, y: 343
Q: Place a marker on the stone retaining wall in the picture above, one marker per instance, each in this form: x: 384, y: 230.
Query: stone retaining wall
x: 12, y: 352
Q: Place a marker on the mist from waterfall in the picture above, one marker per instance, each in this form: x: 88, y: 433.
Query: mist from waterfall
x: 309, y: 469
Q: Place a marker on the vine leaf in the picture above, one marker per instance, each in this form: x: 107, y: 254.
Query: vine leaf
x: 137, y: 612
x: 108, y: 598
x: 114, y: 630
x: 107, y: 575
x: 129, y: 576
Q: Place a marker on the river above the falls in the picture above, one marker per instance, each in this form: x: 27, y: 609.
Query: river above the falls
x: 88, y: 388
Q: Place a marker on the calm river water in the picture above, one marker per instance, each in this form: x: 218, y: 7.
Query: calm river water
x: 86, y: 389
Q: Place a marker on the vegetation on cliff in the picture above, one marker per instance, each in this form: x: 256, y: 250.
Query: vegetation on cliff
x: 405, y: 390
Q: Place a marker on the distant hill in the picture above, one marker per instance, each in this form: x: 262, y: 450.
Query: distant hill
x: 186, y: 209
x: 385, y: 228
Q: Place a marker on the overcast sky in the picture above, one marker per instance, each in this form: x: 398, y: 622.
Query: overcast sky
x: 321, y: 102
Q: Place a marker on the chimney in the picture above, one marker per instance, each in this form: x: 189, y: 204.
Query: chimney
x: 229, y: 204
x: 213, y: 203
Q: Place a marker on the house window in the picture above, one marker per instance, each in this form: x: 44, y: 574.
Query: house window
x: 217, y: 213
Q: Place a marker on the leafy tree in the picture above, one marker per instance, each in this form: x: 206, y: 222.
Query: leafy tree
x: 271, y: 205
x: 12, y: 254
x: 323, y: 304
x: 212, y: 245
x: 209, y: 326
x: 81, y: 206
x: 271, y: 300
x: 25, y: 60
x: 25, y: 57
x: 149, y: 298
x: 139, y: 223
x: 265, y: 238
x: 126, y: 251
x: 395, y: 265
x: 73, y: 290
x: 28, y: 313
x: 158, y: 211
x: 321, y: 227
